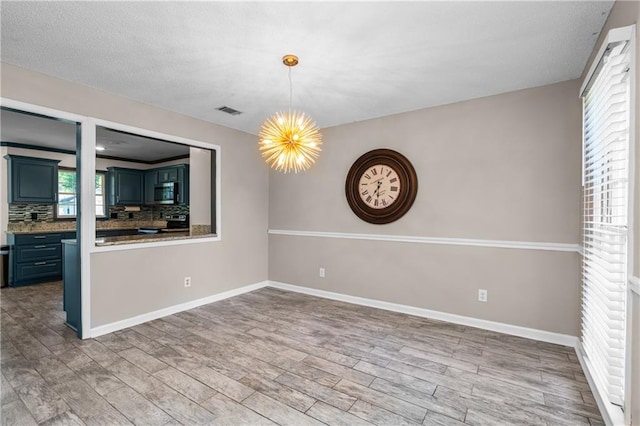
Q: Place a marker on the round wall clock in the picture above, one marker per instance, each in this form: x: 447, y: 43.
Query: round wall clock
x: 381, y: 186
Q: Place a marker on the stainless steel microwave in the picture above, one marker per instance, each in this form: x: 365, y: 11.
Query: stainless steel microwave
x: 166, y: 193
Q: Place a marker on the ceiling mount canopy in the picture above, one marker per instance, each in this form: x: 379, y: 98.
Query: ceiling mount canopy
x: 290, y: 141
x: 290, y: 60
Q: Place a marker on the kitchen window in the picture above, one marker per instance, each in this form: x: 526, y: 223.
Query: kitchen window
x: 66, y: 207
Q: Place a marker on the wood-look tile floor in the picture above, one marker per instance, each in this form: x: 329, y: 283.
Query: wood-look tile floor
x: 274, y: 357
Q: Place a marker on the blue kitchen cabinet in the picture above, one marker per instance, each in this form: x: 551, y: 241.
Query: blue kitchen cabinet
x: 72, y: 292
x: 32, y: 180
x: 183, y: 180
x: 34, y: 258
x: 126, y: 186
x: 150, y: 182
x: 171, y: 174
x: 168, y: 174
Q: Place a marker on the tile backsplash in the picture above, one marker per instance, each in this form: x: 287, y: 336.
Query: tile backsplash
x: 146, y: 212
x: 23, y: 213
x: 30, y: 213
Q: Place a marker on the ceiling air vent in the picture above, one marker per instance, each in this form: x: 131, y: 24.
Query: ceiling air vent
x: 229, y: 110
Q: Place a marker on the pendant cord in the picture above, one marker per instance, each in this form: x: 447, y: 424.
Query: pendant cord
x: 290, y: 90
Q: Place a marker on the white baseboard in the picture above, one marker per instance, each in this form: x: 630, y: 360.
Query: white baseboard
x: 150, y: 316
x: 515, y: 330
x: 611, y: 414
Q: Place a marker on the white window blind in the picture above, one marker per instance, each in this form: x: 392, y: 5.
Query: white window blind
x: 606, y: 116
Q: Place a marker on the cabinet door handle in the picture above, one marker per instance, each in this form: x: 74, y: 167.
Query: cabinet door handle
x: 42, y: 246
x: 40, y: 263
x: 40, y: 237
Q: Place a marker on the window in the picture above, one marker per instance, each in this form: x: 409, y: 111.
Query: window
x: 67, y: 179
x: 606, y: 139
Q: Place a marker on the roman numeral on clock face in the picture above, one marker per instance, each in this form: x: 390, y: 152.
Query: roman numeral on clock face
x: 393, y: 180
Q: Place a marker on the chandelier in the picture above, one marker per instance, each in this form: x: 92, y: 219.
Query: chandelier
x: 290, y: 141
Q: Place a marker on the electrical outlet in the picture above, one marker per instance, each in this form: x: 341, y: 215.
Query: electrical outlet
x: 321, y: 272
x: 187, y: 282
x: 482, y: 295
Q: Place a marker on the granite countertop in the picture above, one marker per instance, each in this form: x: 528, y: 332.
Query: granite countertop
x: 70, y: 226
x: 147, y: 238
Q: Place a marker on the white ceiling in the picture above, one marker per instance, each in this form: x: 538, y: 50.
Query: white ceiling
x: 358, y: 60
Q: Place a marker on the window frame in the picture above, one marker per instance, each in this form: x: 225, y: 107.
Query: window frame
x: 56, y: 214
x: 613, y: 414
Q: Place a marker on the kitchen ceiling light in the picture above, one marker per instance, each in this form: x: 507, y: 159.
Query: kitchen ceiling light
x: 100, y: 148
x: 290, y: 141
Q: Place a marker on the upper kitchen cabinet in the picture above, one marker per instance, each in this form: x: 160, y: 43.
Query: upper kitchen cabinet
x: 183, y: 177
x: 126, y: 186
x: 168, y: 174
x: 150, y: 182
x: 156, y: 181
x: 32, y: 180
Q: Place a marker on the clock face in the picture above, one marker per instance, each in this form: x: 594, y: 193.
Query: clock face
x: 379, y: 186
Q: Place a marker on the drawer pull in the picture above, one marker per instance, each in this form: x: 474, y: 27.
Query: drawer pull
x: 40, y: 237
x: 40, y: 263
x: 42, y: 246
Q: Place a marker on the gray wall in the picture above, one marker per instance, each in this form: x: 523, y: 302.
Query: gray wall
x: 133, y: 282
x: 505, y: 167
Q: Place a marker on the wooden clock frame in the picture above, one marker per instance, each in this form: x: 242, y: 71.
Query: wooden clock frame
x: 408, y: 186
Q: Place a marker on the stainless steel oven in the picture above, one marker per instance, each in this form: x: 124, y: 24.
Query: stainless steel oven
x: 166, y: 193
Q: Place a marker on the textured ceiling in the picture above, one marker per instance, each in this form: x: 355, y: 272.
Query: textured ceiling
x: 358, y: 60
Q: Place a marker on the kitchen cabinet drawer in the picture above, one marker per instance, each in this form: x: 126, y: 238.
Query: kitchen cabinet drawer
x: 36, y: 271
x: 38, y: 252
x: 38, y: 239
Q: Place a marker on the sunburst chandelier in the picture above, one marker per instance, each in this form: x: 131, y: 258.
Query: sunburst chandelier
x: 290, y: 141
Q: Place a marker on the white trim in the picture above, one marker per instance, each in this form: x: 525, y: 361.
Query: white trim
x: 613, y: 36
x: 38, y: 109
x: 515, y: 330
x: 150, y: 316
x: 153, y: 134
x: 526, y: 245
x: 631, y: 225
x: 611, y: 414
x: 184, y: 141
x: 634, y: 285
x: 119, y: 247
x: 87, y: 158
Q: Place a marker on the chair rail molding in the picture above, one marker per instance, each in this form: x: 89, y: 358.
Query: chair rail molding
x: 524, y: 245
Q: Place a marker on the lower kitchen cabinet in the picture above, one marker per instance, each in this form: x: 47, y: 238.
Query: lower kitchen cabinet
x: 37, y: 258
x: 34, y: 258
x: 71, y: 286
